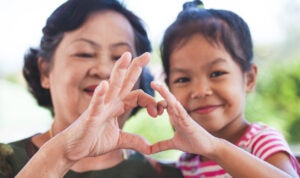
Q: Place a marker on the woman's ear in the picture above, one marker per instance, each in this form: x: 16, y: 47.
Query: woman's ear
x: 44, y: 72
x: 251, y: 77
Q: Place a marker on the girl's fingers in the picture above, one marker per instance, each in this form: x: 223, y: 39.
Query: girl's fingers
x: 161, y: 106
x: 178, y: 115
x: 134, y: 72
x: 164, y: 92
x: 162, y: 146
x: 135, y: 142
x: 117, y: 76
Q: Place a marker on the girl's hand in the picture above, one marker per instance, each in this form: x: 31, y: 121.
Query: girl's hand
x: 192, y: 138
x: 97, y: 131
x: 189, y: 136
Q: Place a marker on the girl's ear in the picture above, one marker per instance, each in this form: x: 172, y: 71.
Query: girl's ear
x: 44, y: 73
x: 251, y: 77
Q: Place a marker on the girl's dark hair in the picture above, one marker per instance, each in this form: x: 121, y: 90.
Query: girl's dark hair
x: 221, y: 27
x: 70, y: 16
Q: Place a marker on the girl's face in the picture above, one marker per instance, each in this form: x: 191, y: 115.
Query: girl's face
x: 210, y: 85
x: 83, y: 58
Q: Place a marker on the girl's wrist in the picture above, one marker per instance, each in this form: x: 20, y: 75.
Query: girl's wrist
x: 217, y: 149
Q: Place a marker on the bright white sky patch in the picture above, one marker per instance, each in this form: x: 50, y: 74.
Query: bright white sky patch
x: 22, y: 21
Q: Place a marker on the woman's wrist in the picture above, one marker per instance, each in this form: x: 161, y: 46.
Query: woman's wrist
x: 50, y: 161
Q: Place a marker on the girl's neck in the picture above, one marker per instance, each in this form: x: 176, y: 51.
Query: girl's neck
x: 233, y: 131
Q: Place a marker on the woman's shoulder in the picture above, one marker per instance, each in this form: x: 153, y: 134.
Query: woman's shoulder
x: 12, y: 157
x: 163, y: 168
x: 136, y: 165
x: 152, y: 166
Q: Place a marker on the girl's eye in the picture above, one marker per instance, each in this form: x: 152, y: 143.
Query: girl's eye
x: 216, y: 74
x: 85, y: 55
x: 182, y: 80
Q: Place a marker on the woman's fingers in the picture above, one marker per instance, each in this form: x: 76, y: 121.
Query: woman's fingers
x: 125, y: 75
x: 162, y: 146
x: 117, y: 76
x: 134, y: 72
x: 140, y: 98
x: 98, y: 97
x: 135, y: 142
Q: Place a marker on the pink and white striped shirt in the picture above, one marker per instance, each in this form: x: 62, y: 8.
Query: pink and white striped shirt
x: 259, y: 140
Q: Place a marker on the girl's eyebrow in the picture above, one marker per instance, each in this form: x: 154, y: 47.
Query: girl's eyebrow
x: 180, y: 70
x: 217, y: 61
x: 211, y: 64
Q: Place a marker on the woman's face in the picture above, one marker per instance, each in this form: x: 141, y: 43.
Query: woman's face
x: 83, y: 58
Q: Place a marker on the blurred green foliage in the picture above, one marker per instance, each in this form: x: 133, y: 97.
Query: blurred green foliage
x: 276, y: 100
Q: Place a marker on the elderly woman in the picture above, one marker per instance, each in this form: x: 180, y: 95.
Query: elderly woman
x: 83, y: 73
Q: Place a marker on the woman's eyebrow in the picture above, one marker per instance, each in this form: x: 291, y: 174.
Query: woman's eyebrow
x: 91, y: 42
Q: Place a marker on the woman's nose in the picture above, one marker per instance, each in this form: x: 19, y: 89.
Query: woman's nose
x: 102, y: 68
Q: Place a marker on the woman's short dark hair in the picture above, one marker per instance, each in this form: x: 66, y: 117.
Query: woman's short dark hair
x: 70, y: 16
x: 221, y: 27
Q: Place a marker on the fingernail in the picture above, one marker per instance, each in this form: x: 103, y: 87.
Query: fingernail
x: 157, y: 84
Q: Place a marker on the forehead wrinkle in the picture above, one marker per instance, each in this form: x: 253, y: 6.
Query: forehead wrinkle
x: 96, y: 45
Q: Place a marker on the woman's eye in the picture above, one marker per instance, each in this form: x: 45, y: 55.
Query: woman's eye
x: 217, y: 74
x: 115, y: 58
x: 85, y: 55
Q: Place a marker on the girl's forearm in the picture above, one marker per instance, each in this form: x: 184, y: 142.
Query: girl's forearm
x: 239, y: 163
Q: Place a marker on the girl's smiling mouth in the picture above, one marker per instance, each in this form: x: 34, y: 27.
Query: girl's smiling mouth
x: 205, y: 109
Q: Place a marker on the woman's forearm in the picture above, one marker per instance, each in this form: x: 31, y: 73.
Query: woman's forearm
x: 49, y: 162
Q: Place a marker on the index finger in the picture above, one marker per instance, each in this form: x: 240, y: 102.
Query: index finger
x: 134, y: 71
x: 117, y: 76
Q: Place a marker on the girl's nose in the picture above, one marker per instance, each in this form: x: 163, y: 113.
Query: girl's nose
x: 201, y: 90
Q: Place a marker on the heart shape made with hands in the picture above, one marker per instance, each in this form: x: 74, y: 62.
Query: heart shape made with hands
x: 98, y: 131
x: 187, y: 131
x: 154, y: 109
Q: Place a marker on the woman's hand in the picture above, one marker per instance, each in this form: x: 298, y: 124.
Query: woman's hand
x: 97, y: 131
x: 189, y: 136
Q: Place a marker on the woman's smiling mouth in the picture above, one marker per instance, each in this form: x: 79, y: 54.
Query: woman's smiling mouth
x: 90, y: 90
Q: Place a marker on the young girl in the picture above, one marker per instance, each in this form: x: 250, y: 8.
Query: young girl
x: 208, y: 61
